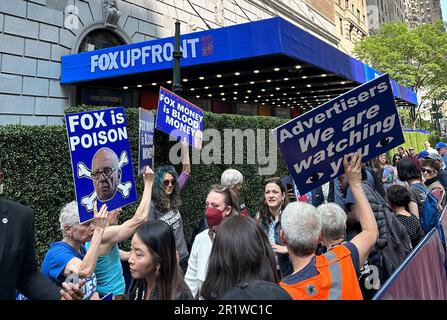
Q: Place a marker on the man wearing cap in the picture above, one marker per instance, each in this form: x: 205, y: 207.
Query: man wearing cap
x: 442, y: 150
x: 423, y: 154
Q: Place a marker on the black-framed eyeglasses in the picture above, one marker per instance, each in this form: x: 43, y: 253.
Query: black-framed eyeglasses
x: 429, y: 171
x: 167, y: 182
x: 106, y: 171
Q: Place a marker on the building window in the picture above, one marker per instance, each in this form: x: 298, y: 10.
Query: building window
x: 341, y: 26
x: 346, y: 4
x: 100, y: 39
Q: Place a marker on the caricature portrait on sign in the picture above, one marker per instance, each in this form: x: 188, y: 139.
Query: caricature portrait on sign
x: 100, y: 154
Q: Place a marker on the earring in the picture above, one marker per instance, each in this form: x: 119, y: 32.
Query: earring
x: 157, y: 272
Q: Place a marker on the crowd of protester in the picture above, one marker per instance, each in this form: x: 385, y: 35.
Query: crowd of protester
x: 325, y: 244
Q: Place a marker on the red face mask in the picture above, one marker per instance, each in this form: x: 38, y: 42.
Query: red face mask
x: 213, y: 216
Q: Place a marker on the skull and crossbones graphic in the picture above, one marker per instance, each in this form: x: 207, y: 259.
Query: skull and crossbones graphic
x: 105, y: 174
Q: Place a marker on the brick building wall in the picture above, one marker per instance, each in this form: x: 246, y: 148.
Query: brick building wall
x: 325, y: 7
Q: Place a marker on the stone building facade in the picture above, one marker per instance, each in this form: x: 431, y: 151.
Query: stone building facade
x: 35, y: 34
x: 351, y: 22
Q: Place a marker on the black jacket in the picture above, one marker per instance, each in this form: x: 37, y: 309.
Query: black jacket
x: 18, y: 265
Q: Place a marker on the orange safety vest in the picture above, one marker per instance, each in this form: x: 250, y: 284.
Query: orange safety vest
x: 336, y: 279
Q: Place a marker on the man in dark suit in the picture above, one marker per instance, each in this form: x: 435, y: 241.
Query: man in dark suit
x: 18, y: 265
x: 292, y: 192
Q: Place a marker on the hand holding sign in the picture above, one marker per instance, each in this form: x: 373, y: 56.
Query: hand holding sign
x: 148, y: 175
x: 353, y: 169
x: 100, y: 217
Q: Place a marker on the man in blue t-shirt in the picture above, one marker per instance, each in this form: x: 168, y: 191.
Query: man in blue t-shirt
x: 68, y: 260
x: 56, y: 261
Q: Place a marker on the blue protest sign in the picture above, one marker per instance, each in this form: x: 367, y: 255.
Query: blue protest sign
x: 179, y: 118
x: 146, y: 140
x: 101, y: 162
x: 364, y: 119
x: 108, y: 297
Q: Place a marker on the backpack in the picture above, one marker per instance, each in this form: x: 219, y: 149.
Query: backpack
x: 430, y: 214
x: 393, y: 244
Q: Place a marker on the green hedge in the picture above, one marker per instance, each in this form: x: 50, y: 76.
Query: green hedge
x: 37, y: 166
x: 36, y: 162
x: 416, y: 140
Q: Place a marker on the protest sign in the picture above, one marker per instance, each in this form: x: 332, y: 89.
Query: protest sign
x: 364, y: 119
x: 108, y: 297
x: 146, y: 140
x: 101, y: 163
x: 179, y: 118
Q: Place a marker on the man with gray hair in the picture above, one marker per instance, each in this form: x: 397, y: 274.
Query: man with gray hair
x: 332, y: 275
x: 333, y: 229
x: 233, y: 179
x: 69, y: 259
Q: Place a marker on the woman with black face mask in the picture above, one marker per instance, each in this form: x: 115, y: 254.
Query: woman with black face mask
x: 221, y: 202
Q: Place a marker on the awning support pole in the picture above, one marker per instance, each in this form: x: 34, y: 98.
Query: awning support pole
x: 176, y: 85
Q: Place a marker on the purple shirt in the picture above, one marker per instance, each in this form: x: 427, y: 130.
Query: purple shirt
x: 182, y: 179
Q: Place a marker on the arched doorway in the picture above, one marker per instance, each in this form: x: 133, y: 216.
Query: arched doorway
x: 96, y: 37
x: 100, y: 39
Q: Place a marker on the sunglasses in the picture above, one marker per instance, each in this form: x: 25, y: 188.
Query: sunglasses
x: 167, y: 182
x: 411, y: 149
x: 429, y: 171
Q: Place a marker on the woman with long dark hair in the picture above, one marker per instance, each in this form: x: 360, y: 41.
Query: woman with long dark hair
x: 154, y: 266
x: 166, y: 201
x: 271, y: 206
x: 241, y: 253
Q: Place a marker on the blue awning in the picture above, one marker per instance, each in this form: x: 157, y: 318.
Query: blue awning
x: 272, y: 39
